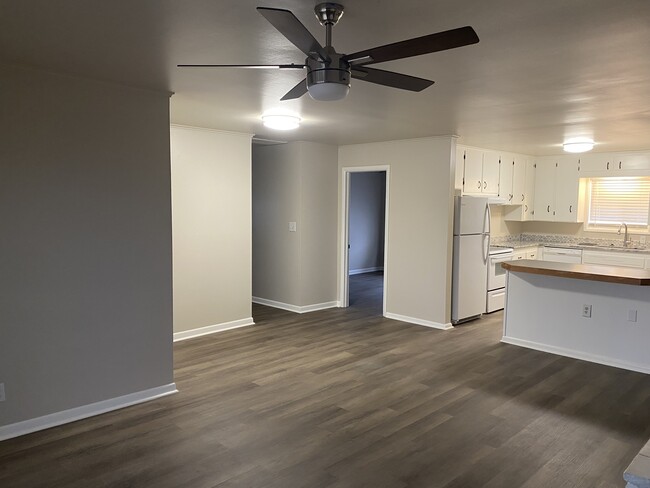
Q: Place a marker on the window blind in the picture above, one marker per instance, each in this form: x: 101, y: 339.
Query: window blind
x: 619, y: 199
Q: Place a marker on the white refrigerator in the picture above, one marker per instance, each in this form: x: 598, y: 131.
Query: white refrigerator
x: 470, y: 258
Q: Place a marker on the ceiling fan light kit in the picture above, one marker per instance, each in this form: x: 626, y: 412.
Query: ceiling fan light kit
x: 329, y: 72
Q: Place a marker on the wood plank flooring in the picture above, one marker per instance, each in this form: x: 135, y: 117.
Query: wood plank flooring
x: 348, y: 399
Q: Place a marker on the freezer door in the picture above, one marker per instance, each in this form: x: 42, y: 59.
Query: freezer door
x: 471, y: 215
x: 469, y: 279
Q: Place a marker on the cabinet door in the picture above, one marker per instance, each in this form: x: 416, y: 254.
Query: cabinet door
x: 633, y: 162
x: 519, y: 254
x: 593, y: 164
x: 531, y: 254
x: 506, y: 178
x: 518, y: 180
x: 529, y: 191
x: 612, y: 258
x: 544, y: 190
x: 490, y: 173
x: 473, y: 180
x: 566, y: 191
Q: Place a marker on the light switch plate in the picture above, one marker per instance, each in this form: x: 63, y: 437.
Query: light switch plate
x: 631, y: 315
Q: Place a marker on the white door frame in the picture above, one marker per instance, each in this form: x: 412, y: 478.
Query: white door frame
x: 344, y: 272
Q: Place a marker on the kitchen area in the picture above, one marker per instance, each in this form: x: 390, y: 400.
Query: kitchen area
x: 589, y: 208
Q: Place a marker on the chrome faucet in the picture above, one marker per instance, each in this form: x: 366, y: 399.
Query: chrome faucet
x: 626, y: 240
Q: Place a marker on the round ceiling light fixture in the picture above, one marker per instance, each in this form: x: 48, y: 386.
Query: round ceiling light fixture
x: 579, y: 145
x: 281, y: 121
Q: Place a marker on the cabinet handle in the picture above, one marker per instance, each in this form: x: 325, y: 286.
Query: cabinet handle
x: 570, y: 208
x: 484, y: 185
x: 522, y: 197
x: 548, y: 208
x: 525, y: 208
x: 619, y: 164
x: 510, y: 197
x: 607, y: 164
x: 479, y: 184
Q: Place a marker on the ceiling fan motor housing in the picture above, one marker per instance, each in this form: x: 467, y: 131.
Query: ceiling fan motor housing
x: 328, y: 81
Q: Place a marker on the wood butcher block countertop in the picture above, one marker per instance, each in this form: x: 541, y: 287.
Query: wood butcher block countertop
x: 609, y: 274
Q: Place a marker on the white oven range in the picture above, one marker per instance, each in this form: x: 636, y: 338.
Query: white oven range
x: 496, y: 280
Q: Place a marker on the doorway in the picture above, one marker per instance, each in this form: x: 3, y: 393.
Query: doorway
x: 364, y: 242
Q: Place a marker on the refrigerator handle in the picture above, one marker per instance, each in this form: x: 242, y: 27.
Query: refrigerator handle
x: 488, y: 215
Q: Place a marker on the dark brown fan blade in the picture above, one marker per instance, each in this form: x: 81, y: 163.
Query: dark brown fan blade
x: 247, y: 66
x: 297, y: 91
x: 439, y: 41
x: 291, y: 28
x: 389, y: 78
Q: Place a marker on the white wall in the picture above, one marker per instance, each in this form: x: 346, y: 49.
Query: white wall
x: 367, y: 221
x: 211, y: 195
x: 420, y: 216
x: 295, y: 182
x: 85, y: 243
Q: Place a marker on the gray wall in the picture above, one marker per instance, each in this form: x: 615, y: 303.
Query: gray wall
x: 367, y: 221
x: 85, y: 242
x: 295, y: 182
x: 211, y: 194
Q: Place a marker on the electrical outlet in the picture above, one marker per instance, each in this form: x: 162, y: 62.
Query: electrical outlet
x: 2, y: 392
x: 292, y: 227
x: 586, y: 311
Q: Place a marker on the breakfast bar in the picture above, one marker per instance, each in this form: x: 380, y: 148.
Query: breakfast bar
x: 595, y: 313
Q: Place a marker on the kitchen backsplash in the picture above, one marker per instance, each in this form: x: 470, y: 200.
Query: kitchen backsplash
x: 554, y: 239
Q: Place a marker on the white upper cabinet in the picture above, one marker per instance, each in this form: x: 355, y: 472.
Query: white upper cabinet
x: 491, y: 173
x: 567, y: 194
x: 544, y: 208
x: 481, y: 171
x: 519, y: 164
x: 558, y: 192
x: 473, y: 174
x: 520, y: 207
x: 615, y: 164
x: 506, y: 178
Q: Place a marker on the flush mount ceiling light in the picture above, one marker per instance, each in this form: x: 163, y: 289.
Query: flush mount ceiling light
x: 578, y: 145
x: 281, y: 121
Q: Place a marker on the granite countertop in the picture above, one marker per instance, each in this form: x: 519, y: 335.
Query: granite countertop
x: 636, y: 247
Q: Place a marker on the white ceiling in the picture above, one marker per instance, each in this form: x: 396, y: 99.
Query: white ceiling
x: 543, y: 71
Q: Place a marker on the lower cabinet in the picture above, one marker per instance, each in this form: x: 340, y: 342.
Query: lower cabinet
x: 613, y: 258
x: 525, y: 253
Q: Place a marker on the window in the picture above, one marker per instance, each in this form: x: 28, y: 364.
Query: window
x: 615, y: 200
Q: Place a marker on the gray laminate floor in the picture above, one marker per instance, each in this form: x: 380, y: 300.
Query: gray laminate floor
x: 346, y: 398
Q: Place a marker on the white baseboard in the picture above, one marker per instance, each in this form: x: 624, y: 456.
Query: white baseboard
x: 593, y: 358
x: 295, y: 308
x: 365, y: 270
x: 413, y: 320
x: 85, y: 411
x: 211, y: 329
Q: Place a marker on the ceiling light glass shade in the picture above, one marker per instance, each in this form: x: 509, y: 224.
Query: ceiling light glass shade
x: 281, y: 122
x: 579, y: 146
x: 328, y: 92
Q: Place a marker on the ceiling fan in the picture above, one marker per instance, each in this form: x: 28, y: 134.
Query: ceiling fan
x: 329, y: 72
